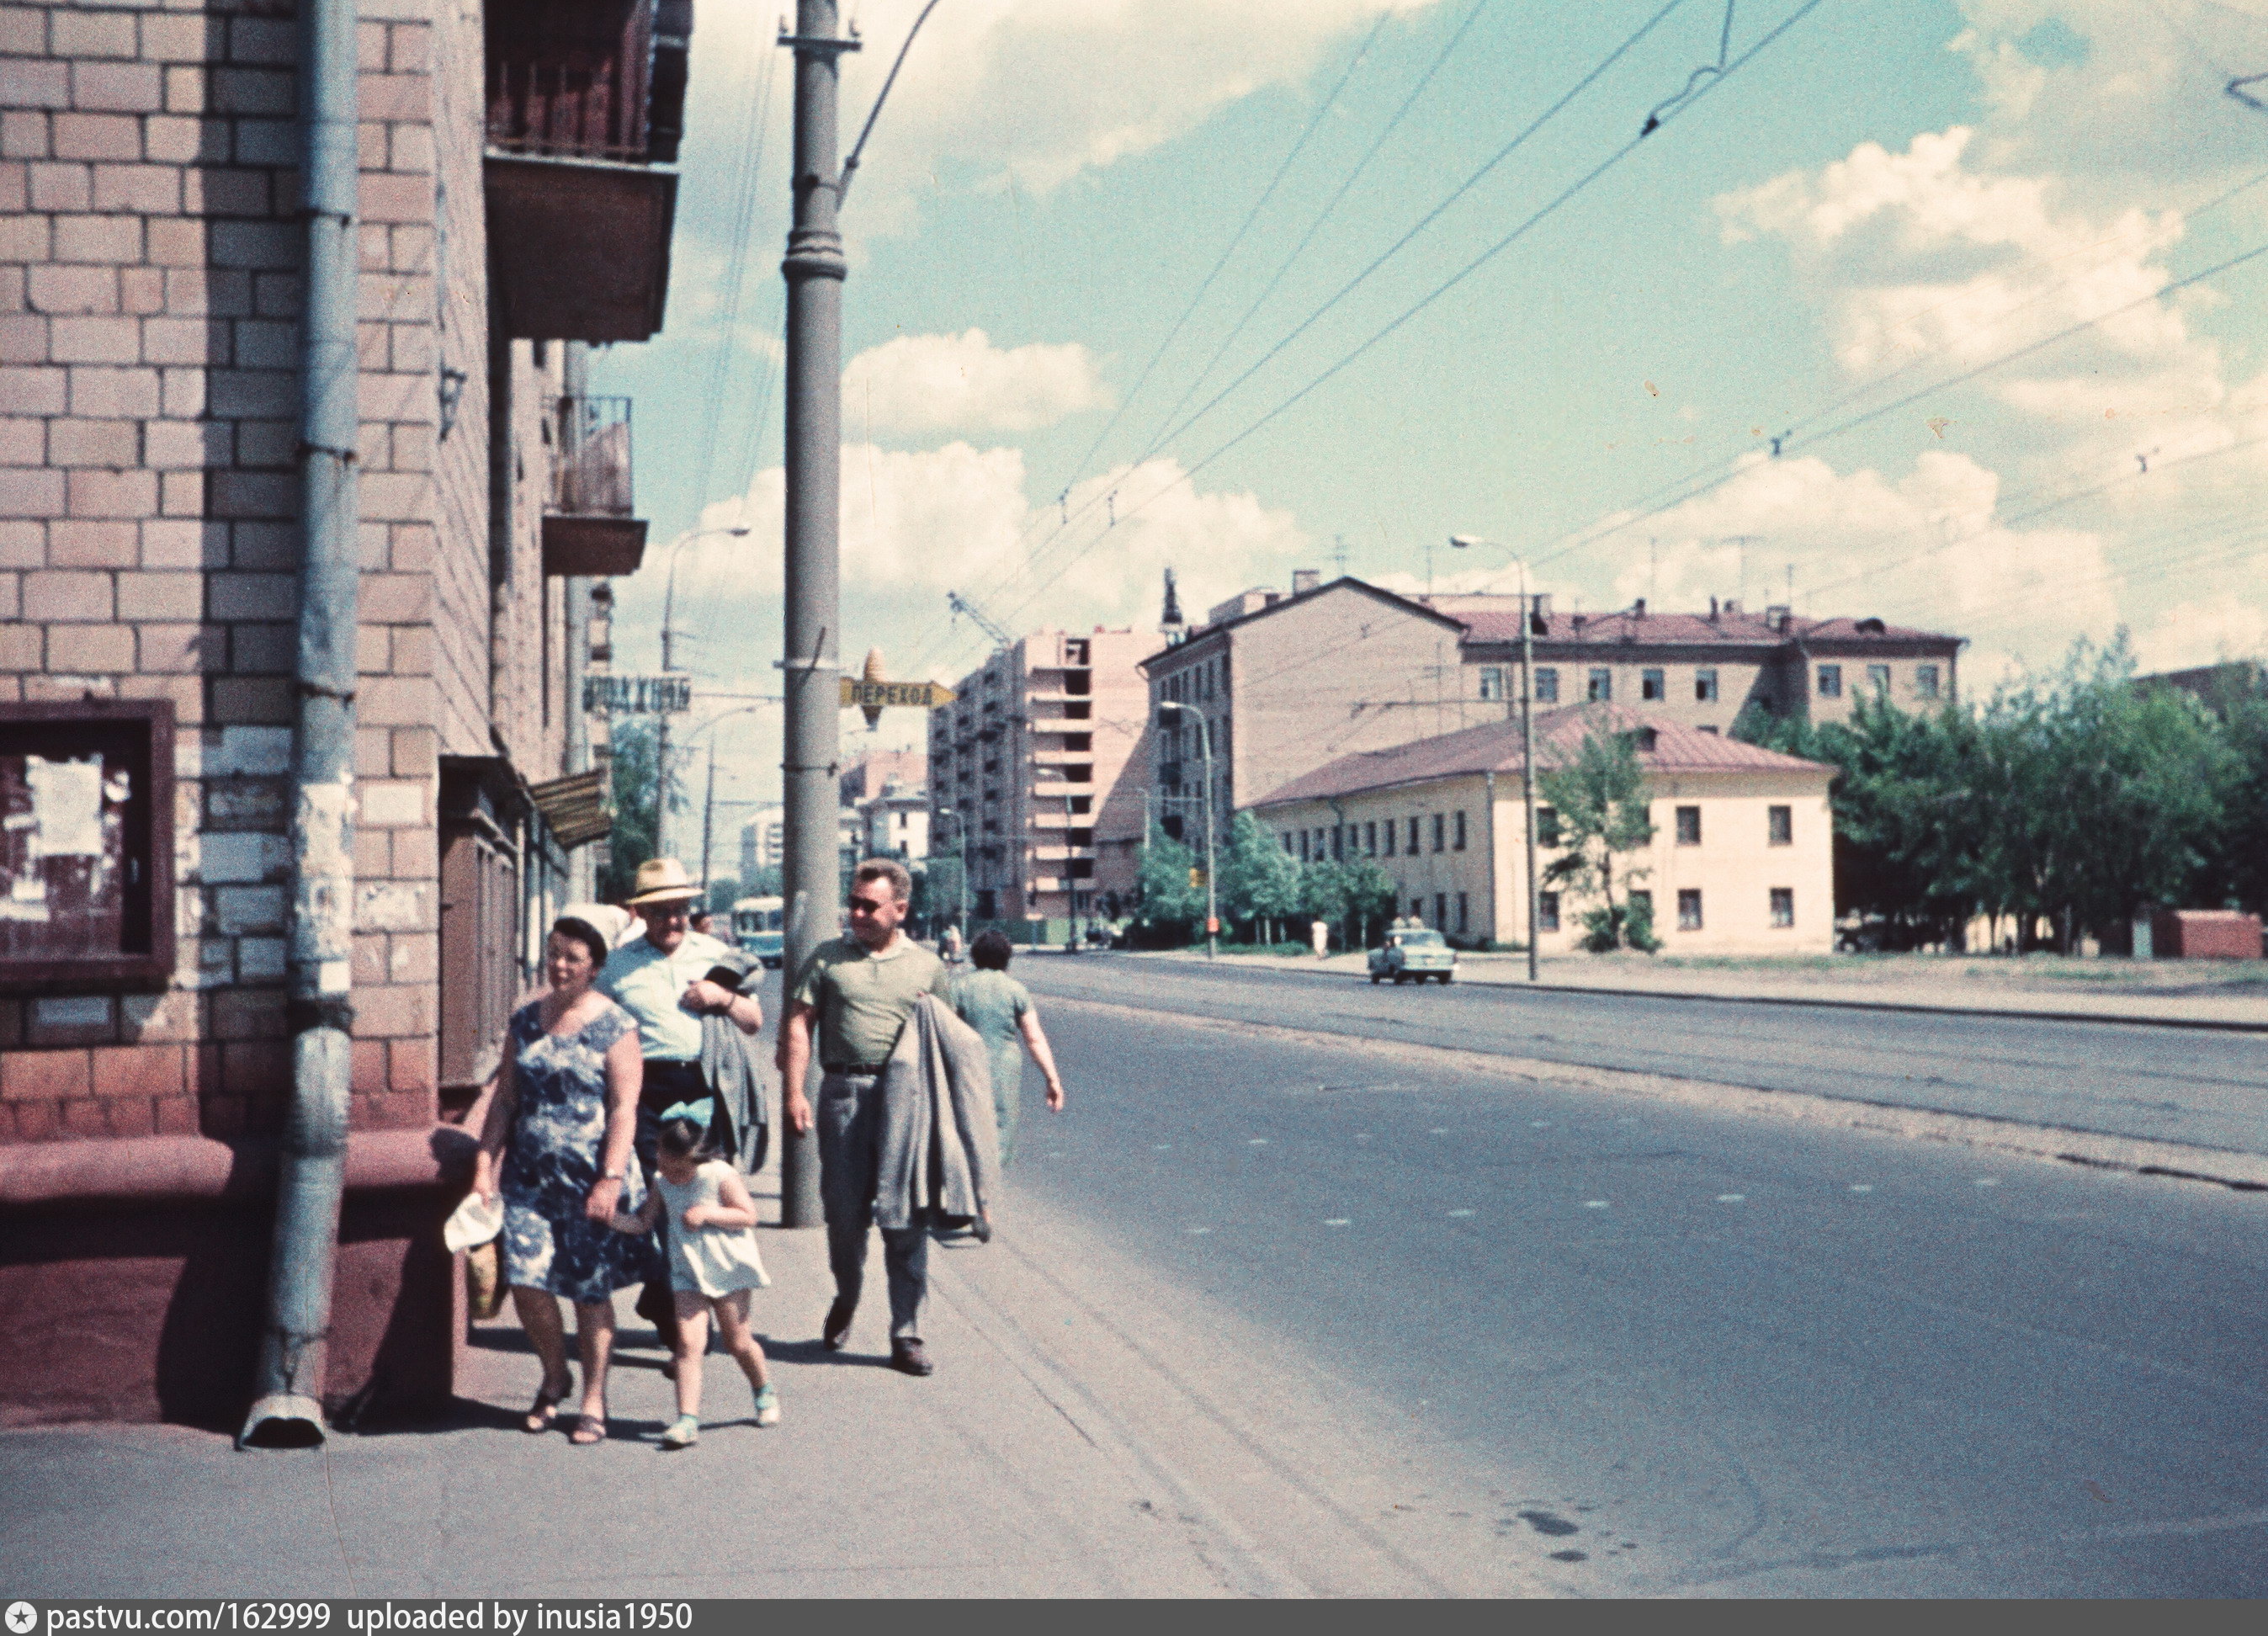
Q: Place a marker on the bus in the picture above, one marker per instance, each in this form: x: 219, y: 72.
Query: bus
x: 757, y: 929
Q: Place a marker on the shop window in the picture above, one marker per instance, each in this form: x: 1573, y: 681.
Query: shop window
x: 87, y: 855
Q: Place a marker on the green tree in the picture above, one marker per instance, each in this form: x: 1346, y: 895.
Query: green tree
x: 1169, y: 903
x: 634, y: 778
x: 1354, y: 896
x: 1601, y: 798
x: 1259, y: 880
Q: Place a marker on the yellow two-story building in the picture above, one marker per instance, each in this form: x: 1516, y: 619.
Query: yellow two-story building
x: 1742, y: 860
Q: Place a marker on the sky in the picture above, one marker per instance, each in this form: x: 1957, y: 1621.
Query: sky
x: 1936, y: 310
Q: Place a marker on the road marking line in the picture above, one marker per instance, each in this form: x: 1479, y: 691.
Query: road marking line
x: 1196, y: 1229
x: 1988, y: 1181
x: 1862, y: 1187
x: 1339, y: 1221
x: 1256, y: 1141
x: 1595, y: 1203
x: 1162, y: 1147
x: 1460, y: 1215
x: 1438, y: 1129
x: 1730, y: 1198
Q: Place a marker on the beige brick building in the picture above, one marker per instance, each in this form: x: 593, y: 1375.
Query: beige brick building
x: 1036, y: 776
x: 149, y: 257
x: 1742, y: 860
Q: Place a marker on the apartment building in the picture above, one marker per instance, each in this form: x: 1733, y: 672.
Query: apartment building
x: 1037, y: 758
x: 1742, y: 859
x: 1704, y: 669
x: 513, y: 207
x: 875, y: 771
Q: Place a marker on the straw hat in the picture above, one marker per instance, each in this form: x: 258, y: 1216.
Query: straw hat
x: 663, y: 880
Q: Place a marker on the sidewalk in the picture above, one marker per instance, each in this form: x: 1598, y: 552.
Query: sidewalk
x: 1089, y: 1432
x: 2187, y: 994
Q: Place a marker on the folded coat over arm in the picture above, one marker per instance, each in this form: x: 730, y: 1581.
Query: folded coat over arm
x: 938, y: 1147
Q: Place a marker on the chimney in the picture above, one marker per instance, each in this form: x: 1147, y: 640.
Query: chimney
x: 1638, y: 609
x: 1542, y: 601
x: 1732, y: 606
x: 1304, y: 580
x: 1712, y: 611
x: 1776, y: 616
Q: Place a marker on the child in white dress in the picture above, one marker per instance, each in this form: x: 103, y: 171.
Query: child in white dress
x: 714, y: 1262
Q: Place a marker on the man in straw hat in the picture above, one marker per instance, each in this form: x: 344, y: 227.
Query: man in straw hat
x: 668, y: 981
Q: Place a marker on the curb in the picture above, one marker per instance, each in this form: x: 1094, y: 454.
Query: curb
x: 1911, y: 1007
x: 2234, y: 1168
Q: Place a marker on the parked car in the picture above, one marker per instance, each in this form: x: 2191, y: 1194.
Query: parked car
x: 1412, y: 954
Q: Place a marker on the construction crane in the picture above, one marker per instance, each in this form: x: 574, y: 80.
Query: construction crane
x: 982, y: 620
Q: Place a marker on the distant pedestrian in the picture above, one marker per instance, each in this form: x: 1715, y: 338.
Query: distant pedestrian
x: 949, y: 946
x: 714, y: 1262
x: 1319, y: 934
x: 703, y: 921
x: 561, y: 1124
x: 1000, y: 1009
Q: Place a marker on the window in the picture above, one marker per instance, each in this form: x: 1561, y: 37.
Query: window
x: 1547, y: 826
x: 1082, y: 742
x: 1338, y: 842
x: 1464, y: 913
x: 1460, y: 843
x: 1492, y: 684
x: 1783, y: 906
x: 86, y: 858
x: 1284, y: 840
x: 1878, y: 677
x: 1547, y: 911
x: 1689, y: 909
x: 1781, y: 821
x: 1652, y: 685
x: 1925, y: 682
x: 1440, y: 829
x: 1418, y: 909
x: 1441, y: 911
x: 1689, y: 826
x: 1075, y: 650
x: 1603, y: 686
x: 1412, y: 848
x: 1305, y: 856
x: 1705, y: 687
x: 1641, y: 902
x: 1370, y: 839
x: 1389, y: 837
x: 1547, y: 685
x: 1830, y: 681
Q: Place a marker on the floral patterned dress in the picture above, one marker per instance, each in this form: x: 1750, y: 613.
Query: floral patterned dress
x: 551, y: 1162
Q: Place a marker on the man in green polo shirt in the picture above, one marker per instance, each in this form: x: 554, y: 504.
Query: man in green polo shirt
x: 857, y: 993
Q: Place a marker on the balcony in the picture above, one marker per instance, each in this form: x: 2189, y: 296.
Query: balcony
x: 587, y: 526
x: 584, y: 97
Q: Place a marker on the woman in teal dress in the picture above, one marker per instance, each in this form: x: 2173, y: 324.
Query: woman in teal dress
x: 999, y: 1008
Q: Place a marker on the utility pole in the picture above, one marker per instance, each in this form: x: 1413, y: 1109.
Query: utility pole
x: 708, y: 822
x: 1528, y: 754
x: 1212, y: 885
x: 810, y: 875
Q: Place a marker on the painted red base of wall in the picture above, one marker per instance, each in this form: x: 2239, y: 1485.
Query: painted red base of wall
x: 150, y: 1309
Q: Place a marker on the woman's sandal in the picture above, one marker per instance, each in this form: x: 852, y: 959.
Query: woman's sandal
x: 547, y: 1408
x: 589, y: 1429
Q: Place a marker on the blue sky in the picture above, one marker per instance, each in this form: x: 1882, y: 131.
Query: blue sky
x: 1890, y: 197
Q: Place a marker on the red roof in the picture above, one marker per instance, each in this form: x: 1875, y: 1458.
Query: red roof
x: 1625, y: 627
x: 1559, y: 734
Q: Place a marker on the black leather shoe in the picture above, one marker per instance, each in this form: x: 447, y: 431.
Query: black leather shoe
x: 835, y: 1334
x: 907, y: 1357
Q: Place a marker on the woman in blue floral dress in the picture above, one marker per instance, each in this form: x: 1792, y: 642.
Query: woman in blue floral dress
x: 562, y: 1120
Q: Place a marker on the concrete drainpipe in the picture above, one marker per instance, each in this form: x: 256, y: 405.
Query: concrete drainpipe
x: 312, y: 1175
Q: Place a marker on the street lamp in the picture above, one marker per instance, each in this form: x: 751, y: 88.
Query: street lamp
x: 668, y: 629
x: 1464, y: 542
x: 1213, y: 900
x: 709, y: 806
x: 960, y: 860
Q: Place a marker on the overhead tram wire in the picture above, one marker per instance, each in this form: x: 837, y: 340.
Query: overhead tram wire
x: 1641, y: 509
x: 1422, y: 222
x: 1528, y: 223
x: 1911, y: 398
x: 1322, y: 216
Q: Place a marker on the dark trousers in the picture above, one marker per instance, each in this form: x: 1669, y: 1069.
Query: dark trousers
x: 850, y: 1106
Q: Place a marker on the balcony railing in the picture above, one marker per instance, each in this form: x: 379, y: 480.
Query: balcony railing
x: 578, y: 79
x: 591, y: 475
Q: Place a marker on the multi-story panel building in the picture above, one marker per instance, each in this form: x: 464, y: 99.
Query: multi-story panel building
x: 1034, y: 760
x: 763, y: 842
x: 1704, y: 669
x: 151, y: 253
x: 1742, y: 860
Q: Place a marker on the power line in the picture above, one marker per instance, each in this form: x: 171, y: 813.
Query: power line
x: 1471, y: 267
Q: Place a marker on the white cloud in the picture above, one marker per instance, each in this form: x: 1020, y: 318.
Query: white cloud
x: 918, y: 385
x: 2203, y: 633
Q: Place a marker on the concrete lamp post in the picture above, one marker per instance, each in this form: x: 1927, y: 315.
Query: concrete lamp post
x: 1169, y: 708
x: 668, y: 663
x: 1466, y: 543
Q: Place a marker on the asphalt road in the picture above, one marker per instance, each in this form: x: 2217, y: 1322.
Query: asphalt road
x: 1710, y: 1353
x: 2206, y: 1088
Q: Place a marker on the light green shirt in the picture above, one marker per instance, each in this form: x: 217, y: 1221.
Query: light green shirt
x: 651, y: 986
x: 863, y: 1003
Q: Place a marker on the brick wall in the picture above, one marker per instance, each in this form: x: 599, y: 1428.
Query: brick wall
x: 149, y: 293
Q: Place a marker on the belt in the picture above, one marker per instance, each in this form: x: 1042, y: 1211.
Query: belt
x: 868, y: 1069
